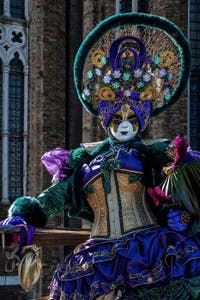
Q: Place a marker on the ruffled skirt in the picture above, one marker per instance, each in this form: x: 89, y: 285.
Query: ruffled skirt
x: 146, y: 258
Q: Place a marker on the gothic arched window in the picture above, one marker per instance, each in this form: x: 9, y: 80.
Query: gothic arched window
x: 15, y: 127
x: 17, y: 9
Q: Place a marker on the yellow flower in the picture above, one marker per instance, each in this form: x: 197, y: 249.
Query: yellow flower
x: 166, y: 59
x: 149, y: 93
x: 97, y: 56
x: 105, y: 93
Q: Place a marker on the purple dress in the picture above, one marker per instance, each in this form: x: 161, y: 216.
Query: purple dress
x: 127, y: 249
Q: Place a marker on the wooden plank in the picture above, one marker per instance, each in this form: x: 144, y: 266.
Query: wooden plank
x: 53, y: 237
x: 50, y: 236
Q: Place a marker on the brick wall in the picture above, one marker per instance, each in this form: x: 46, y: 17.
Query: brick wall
x: 173, y: 121
x: 46, y: 110
x: 93, y: 13
x: 47, y: 87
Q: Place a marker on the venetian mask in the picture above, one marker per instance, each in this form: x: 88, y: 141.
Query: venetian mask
x: 124, y: 125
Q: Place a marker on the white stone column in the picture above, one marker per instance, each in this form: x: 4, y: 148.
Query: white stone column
x: 5, y: 134
x: 117, y: 6
x: 26, y: 8
x: 7, y: 8
x: 134, y: 5
x: 26, y: 72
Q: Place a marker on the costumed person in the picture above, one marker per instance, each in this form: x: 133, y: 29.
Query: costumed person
x: 141, y: 196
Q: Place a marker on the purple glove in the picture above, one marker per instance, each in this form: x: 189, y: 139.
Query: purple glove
x: 26, y: 234
x: 16, y: 220
x: 178, y: 219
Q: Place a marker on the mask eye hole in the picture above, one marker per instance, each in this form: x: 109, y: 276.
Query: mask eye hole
x: 116, y: 122
x: 131, y: 117
x: 117, y: 117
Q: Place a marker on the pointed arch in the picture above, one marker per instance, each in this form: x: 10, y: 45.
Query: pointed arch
x: 12, y: 53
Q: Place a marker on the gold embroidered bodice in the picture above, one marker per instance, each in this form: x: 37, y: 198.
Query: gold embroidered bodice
x: 122, y: 210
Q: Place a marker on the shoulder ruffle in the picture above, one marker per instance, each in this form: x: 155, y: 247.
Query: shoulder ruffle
x: 56, y: 162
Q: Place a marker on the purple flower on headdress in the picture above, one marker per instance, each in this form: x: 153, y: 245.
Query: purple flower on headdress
x: 162, y: 72
x: 107, y: 79
x: 147, y: 77
x: 98, y: 72
x: 117, y: 74
x: 137, y: 73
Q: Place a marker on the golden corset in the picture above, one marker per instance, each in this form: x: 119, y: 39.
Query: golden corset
x: 122, y: 210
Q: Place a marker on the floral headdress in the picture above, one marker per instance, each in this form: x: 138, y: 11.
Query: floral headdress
x: 139, y: 59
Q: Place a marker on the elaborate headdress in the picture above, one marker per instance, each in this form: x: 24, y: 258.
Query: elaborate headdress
x: 134, y: 58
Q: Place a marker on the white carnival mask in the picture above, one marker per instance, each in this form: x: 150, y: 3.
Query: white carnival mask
x: 124, y: 125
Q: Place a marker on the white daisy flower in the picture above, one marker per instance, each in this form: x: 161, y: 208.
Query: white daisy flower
x: 107, y: 79
x: 86, y: 92
x: 127, y: 93
x: 98, y: 72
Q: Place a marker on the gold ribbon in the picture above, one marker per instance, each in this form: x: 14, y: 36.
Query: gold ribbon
x: 30, y: 266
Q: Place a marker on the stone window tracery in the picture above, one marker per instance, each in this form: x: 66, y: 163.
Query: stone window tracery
x: 15, y: 128
x: 13, y: 110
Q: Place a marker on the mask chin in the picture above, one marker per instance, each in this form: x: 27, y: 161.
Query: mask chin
x: 124, y: 132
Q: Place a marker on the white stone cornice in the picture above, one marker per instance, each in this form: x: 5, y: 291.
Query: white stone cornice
x: 26, y: 13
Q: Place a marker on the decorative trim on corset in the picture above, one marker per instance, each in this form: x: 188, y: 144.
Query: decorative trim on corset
x: 121, y: 211
x: 98, y: 202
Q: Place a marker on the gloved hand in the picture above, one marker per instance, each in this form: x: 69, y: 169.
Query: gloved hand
x: 22, y: 238
x: 178, y: 219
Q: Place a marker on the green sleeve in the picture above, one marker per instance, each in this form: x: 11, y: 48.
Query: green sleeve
x: 64, y: 194
x: 37, y: 211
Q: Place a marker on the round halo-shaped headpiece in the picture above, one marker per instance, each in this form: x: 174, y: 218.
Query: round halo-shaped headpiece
x: 134, y: 57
